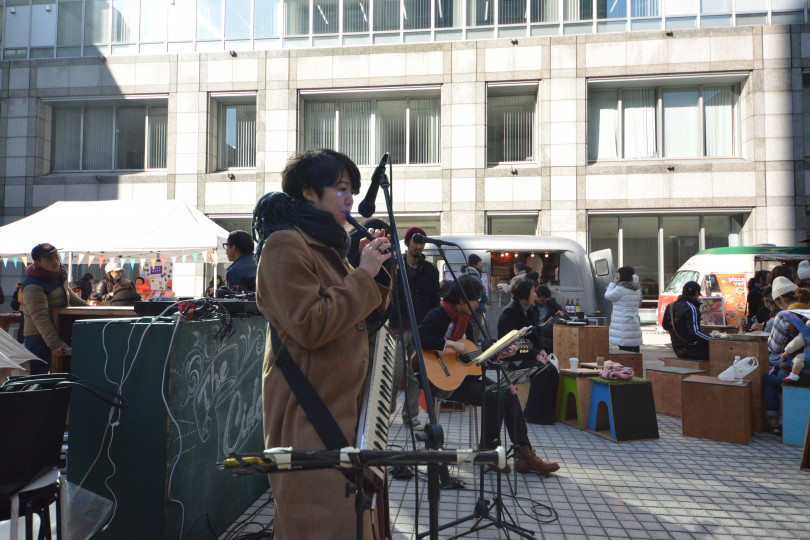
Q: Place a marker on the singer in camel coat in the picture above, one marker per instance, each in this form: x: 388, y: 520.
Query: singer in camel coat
x: 317, y: 303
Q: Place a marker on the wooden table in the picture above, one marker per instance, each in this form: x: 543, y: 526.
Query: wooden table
x: 583, y: 342
x: 724, y: 328
x: 721, y: 356
x: 666, y: 383
x: 63, y: 319
x: 716, y: 410
x: 7, y: 319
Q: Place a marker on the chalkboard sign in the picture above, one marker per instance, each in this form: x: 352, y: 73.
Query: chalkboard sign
x: 213, y: 392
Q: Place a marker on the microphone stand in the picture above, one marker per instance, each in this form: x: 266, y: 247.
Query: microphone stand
x: 432, y: 434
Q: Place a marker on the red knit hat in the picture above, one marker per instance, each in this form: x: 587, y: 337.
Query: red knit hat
x: 412, y: 231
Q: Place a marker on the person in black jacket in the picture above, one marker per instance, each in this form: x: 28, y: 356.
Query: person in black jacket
x: 423, y: 282
x: 682, y: 321
x: 518, y: 314
x: 545, y: 312
x: 452, y: 318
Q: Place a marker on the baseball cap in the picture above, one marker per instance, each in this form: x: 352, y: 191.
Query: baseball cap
x: 690, y: 288
x: 112, y: 267
x: 41, y: 250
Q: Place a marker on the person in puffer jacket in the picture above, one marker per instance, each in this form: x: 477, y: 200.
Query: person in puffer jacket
x: 625, y: 294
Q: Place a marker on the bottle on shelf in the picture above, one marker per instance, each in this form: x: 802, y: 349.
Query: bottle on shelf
x: 577, y: 308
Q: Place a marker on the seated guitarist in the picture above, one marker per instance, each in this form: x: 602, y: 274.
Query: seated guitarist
x: 543, y: 387
x: 442, y: 330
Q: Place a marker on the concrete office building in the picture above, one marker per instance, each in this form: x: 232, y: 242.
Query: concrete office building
x: 655, y: 127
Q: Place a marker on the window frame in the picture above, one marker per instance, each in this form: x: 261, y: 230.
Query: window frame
x: 336, y: 96
x: 516, y: 89
x: 148, y: 102
x: 218, y: 101
x: 699, y: 83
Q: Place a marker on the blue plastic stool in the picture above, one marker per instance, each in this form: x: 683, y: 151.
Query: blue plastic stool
x: 795, y: 413
x: 626, y: 407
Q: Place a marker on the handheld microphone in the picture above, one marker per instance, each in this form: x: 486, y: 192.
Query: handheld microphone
x: 367, y: 206
x: 420, y: 238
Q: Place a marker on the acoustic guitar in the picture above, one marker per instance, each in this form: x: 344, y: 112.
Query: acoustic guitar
x: 447, y: 371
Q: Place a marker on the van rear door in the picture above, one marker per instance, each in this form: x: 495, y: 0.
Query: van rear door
x: 602, y: 272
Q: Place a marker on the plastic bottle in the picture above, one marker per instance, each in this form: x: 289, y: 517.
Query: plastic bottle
x: 737, y: 370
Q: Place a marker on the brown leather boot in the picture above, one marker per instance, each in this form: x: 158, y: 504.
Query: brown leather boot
x: 528, y: 462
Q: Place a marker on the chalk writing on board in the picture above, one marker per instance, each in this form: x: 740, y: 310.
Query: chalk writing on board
x: 222, y: 386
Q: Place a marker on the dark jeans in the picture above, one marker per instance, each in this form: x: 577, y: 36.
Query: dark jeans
x: 496, y: 412
x: 541, y: 402
x: 37, y: 345
x: 635, y: 349
x: 20, y: 337
x: 772, y: 390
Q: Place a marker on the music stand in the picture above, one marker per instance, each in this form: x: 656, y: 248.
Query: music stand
x: 483, y: 508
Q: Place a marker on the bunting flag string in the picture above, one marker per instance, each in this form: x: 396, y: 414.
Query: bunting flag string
x: 81, y: 256
x: 174, y: 259
x: 100, y: 261
x: 25, y: 261
x: 62, y: 257
x: 132, y: 263
x: 152, y: 260
x: 15, y: 260
x: 194, y: 256
x: 183, y: 258
x: 90, y: 259
x: 5, y: 261
x: 143, y: 261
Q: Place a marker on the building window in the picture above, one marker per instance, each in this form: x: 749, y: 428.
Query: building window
x: 511, y: 224
x: 806, y: 109
x: 641, y: 241
x: 120, y: 136
x: 364, y: 129
x: 235, y: 131
x: 511, y: 127
x: 670, y: 122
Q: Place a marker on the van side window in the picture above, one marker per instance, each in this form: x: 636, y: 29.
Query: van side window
x: 602, y: 267
x: 710, y: 286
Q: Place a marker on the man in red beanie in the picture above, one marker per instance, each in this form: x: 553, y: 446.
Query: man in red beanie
x: 423, y: 281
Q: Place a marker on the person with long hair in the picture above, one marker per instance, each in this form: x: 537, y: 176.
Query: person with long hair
x: 625, y: 325
x: 316, y: 304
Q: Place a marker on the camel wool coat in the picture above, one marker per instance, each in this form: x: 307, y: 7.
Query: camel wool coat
x: 317, y: 303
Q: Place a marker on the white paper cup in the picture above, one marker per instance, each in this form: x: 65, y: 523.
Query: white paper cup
x: 574, y: 363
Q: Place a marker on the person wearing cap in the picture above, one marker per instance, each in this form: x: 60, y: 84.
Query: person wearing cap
x: 241, y: 275
x: 682, y: 321
x: 45, y: 288
x: 423, y: 282
x: 787, y: 296
x: 103, y: 291
x: 803, y: 274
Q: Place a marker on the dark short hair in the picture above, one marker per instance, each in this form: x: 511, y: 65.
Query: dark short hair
x: 543, y: 291
x: 532, y: 276
x: 87, y: 276
x: 473, y: 259
x: 782, y: 270
x: 522, y: 289
x: 242, y: 241
x: 452, y: 291
x: 519, y: 266
x: 317, y: 169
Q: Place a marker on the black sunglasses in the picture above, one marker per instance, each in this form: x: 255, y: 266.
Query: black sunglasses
x: 225, y: 245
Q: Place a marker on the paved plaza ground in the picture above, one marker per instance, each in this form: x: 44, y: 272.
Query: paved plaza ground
x: 673, y: 487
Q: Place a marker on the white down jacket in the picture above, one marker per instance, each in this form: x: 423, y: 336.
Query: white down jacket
x: 625, y: 327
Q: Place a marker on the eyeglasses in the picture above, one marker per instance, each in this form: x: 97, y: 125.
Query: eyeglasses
x: 225, y: 245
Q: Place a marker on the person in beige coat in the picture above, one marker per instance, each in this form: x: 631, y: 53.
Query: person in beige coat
x: 316, y: 302
x: 45, y: 288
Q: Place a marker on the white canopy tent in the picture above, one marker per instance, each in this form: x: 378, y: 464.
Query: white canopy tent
x: 115, y: 229
x: 85, y: 231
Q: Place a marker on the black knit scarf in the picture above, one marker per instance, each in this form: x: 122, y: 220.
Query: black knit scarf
x: 278, y: 211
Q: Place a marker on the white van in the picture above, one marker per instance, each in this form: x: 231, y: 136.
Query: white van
x: 704, y: 266
x: 570, y: 273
